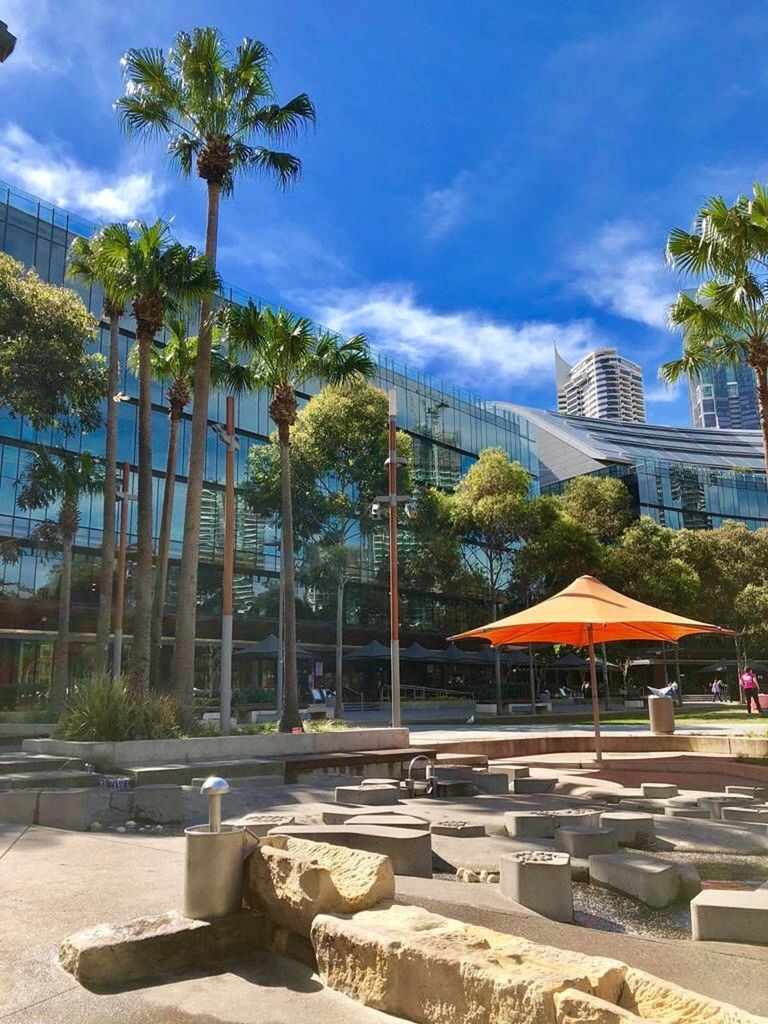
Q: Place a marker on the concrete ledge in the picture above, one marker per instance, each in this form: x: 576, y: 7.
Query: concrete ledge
x: 116, y: 956
x: 725, y: 915
x: 655, y: 882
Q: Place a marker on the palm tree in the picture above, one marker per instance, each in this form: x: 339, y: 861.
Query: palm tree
x: 165, y: 277
x: 173, y: 365
x: 62, y: 478
x: 287, y: 353
x: 86, y: 264
x: 213, y: 105
x: 725, y: 320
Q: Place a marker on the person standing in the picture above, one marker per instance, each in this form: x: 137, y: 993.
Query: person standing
x: 750, y: 689
x: 715, y: 690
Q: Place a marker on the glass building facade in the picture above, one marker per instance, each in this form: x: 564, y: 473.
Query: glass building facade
x: 724, y: 398
x: 449, y: 427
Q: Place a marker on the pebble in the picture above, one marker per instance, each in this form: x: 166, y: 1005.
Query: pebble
x: 121, y: 828
x: 96, y: 826
x: 130, y: 824
x: 158, y: 828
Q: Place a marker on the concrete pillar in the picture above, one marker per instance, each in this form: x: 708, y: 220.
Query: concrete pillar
x: 662, y: 714
x: 540, y: 881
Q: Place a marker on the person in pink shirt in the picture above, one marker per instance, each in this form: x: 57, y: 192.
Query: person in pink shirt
x: 750, y: 688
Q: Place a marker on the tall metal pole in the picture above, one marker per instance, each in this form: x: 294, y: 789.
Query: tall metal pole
x: 122, y: 551
x: 280, y: 665
x: 595, y: 703
x: 605, y: 680
x: 227, y: 603
x: 394, y: 603
x: 532, y: 678
x: 679, y: 681
x: 338, y: 707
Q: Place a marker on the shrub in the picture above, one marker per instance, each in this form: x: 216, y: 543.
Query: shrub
x: 103, y: 709
x: 36, y: 713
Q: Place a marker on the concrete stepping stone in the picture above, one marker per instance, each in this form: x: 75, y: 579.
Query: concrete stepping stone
x: 513, y: 771
x: 727, y: 915
x: 529, y: 824
x: 756, y: 792
x: 750, y: 814
x: 714, y: 804
x: 491, y: 781
x: 41, y: 779
x: 582, y: 841
x: 460, y: 829
x: 539, y: 881
x: 374, y: 796
x: 672, y: 811
x: 380, y: 782
x: 259, y: 825
x: 658, y: 790
x: 455, y: 773
x: 576, y: 816
x: 476, y: 760
x: 653, y: 881
x: 528, y: 785
x: 389, y: 821
x: 632, y: 828
x: 409, y: 850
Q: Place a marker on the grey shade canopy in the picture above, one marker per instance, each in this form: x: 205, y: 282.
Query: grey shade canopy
x: 373, y: 651
x: 269, y: 647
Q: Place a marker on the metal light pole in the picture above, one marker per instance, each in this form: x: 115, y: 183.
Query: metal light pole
x: 532, y: 678
x: 338, y: 707
x: 394, y: 602
x: 280, y: 665
x: 605, y: 680
x: 227, y: 437
x: 123, y: 497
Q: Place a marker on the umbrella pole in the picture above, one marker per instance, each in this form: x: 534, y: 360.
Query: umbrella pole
x: 595, y: 701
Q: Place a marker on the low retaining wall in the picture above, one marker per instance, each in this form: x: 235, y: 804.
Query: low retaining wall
x: 210, y: 748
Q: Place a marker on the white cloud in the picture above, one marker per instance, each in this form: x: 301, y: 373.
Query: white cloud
x: 285, y: 256
x: 444, y: 209
x: 664, y: 394
x: 619, y: 271
x: 465, y: 346
x: 48, y: 170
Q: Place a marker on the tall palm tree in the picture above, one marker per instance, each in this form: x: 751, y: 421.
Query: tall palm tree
x: 165, y: 278
x: 213, y: 105
x: 45, y: 480
x: 287, y: 353
x: 725, y: 320
x: 86, y: 264
x: 173, y: 365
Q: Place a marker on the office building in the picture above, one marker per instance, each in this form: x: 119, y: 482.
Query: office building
x: 724, y: 398
x: 603, y: 385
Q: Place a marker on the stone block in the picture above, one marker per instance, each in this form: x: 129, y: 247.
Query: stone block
x: 714, y: 804
x: 687, y: 812
x: 658, y: 790
x: 654, y: 999
x: 632, y: 828
x: 512, y: 771
x: 375, y: 781
x: 409, y: 850
x: 121, y: 800
x: 460, y: 829
x: 449, y: 789
x: 756, y: 792
x: 71, y: 809
x: 540, y: 881
x: 529, y: 824
x: 727, y: 915
x: 527, y: 785
x: 690, y: 881
x: 419, y: 966
x: 476, y: 760
x: 19, y: 806
x: 389, y: 821
x: 567, y: 816
x: 751, y: 814
x: 259, y: 825
x: 575, y: 1007
x: 293, y: 880
x: 655, y: 882
x: 116, y: 956
x: 159, y: 805
x: 496, y: 783
x: 581, y: 841
x: 455, y: 773
x: 371, y: 796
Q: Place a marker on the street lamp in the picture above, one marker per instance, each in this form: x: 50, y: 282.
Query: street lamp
x: 226, y: 434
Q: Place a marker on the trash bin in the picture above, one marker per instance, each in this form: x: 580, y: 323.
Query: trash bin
x: 213, y: 878
x: 662, y: 714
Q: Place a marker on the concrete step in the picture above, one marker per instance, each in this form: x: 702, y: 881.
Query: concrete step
x: 13, y: 763
x: 52, y: 780
x: 182, y: 774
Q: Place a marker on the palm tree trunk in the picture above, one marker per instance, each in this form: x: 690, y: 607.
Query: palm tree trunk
x: 107, y: 569
x: 143, y: 589
x: 163, y: 548
x: 761, y: 373
x: 289, y: 718
x: 183, y: 676
x: 60, y: 682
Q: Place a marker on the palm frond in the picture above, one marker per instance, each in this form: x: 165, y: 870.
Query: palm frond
x: 283, y: 167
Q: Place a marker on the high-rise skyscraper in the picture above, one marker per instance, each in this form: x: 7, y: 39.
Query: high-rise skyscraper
x: 725, y: 398
x: 603, y: 385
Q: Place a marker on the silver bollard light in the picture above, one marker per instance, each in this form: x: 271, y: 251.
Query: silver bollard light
x: 214, y: 860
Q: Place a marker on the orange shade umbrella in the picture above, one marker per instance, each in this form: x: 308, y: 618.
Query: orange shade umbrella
x: 585, y: 613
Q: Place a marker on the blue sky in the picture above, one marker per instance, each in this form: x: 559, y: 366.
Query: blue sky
x: 486, y: 179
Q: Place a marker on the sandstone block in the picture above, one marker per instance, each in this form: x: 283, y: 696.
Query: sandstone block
x: 19, y: 806
x: 658, y: 790
x: 653, y: 881
x: 293, y: 880
x: 117, y: 955
x: 159, y: 805
x: 540, y: 881
x: 632, y: 828
x: 409, y: 849
x: 375, y: 796
x: 529, y: 824
x: 409, y: 963
x: 654, y: 999
x: 574, y: 1007
x: 582, y: 842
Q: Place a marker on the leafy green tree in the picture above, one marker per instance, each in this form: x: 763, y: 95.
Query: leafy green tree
x: 288, y: 353
x: 557, y: 548
x: 173, y: 365
x: 165, y: 277
x: 61, y: 479
x: 86, y: 263
x: 46, y: 373
x: 726, y: 319
x: 214, y: 106
x: 644, y: 565
x: 434, y: 560
x: 600, y: 504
